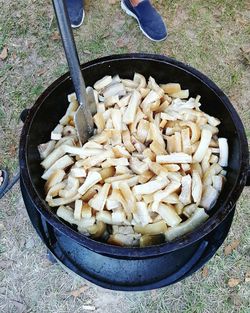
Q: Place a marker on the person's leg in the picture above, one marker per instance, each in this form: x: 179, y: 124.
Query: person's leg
x: 150, y: 21
x: 76, y: 12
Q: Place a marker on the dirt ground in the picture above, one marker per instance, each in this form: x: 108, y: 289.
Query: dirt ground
x: 212, y: 36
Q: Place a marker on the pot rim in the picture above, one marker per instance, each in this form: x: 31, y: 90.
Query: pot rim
x: 107, y: 249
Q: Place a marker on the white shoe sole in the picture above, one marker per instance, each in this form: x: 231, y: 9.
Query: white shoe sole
x: 127, y: 11
x: 76, y: 26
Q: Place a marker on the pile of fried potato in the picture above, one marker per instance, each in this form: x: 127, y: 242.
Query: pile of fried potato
x: 153, y: 167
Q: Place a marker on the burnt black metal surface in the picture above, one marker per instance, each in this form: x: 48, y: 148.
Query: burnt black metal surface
x: 52, y: 104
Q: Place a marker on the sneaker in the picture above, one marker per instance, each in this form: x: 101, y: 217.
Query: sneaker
x: 76, y: 12
x: 150, y: 21
x: 4, y: 178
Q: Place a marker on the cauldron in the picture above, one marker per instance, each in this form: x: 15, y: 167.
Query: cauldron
x: 120, y: 268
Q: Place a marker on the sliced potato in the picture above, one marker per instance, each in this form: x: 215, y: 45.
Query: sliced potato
x: 151, y: 240
x: 154, y: 158
x: 189, y: 225
x: 151, y: 229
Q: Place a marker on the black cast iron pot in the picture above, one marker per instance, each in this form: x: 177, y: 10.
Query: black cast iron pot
x: 131, y: 268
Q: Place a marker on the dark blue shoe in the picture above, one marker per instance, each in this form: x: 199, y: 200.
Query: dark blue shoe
x: 150, y: 21
x: 76, y: 12
x: 4, y: 182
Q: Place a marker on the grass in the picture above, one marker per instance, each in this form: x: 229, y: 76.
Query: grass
x: 206, y: 35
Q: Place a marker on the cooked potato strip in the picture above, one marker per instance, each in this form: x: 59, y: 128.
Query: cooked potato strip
x: 133, y: 105
x: 214, y: 143
x: 142, y: 130
x: 171, y: 88
x: 151, y: 229
x: 150, y: 187
x: 78, y: 210
x: 154, y: 86
x: 69, y: 141
x: 115, y: 162
x: 182, y: 94
x: 46, y: 148
x: 66, y: 213
x: 118, y: 178
x: 150, y: 240
x: 55, y: 178
x: 117, y: 119
x: 105, y: 217
x: 141, y: 214
x: 56, y: 134
x: 97, y: 230
x: 185, y: 195
x: 214, y: 169
x: 86, y: 211
x: 127, y: 195
x: 127, y: 141
x: 196, y: 187
x: 163, y: 194
x: 117, y: 196
x: 84, y: 223
x: 209, y: 197
x: 173, y: 198
x: 61, y: 163
x: 71, y: 108
x: 78, y: 172
x: 140, y: 80
x: 92, y: 191
x: 103, y: 82
x: 53, y: 157
x: 213, y: 121
x: 93, y: 161
x: 174, y: 158
x: 123, y: 102
x: 157, y: 148
x: 118, y: 217
x: 189, y: 210
x: 137, y: 166
x: 70, y: 189
x: 132, y: 181
x: 121, y: 169
x: 83, y: 152
x: 148, y: 100
x: 171, y: 167
x: 185, y: 167
x: 186, y: 142
x: 205, y: 161
x: 223, y: 146
x: 111, y: 101
x: 92, y: 179
x: 99, y: 122
x: 99, y: 200
x: 218, y: 182
x: 129, y: 240
x: 168, y: 213
x: 189, y: 225
x: 206, y: 136
x: 214, y: 159
x: 197, y: 167
x: 62, y: 201
x: 54, y: 191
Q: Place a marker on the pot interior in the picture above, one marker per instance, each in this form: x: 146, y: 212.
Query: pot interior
x: 52, y: 105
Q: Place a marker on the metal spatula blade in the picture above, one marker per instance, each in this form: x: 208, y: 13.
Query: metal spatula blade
x: 83, y: 125
x: 83, y: 118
